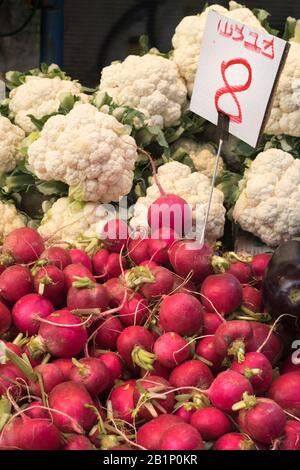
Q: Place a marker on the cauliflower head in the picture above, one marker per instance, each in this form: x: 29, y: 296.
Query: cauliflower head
x: 151, y: 84
x: 188, y: 38
x: 203, y: 156
x: 11, y: 137
x: 285, y: 113
x: 73, y: 221
x: 194, y: 188
x: 268, y: 205
x: 11, y: 219
x: 40, y: 96
x: 88, y: 150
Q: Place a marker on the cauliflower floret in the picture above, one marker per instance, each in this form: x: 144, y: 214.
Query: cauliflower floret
x: 188, y: 37
x: 194, y: 188
x: 285, y: 113
x: 203, y: 156
x: 88, y: 150
x: 40, y: 96
x: 11, y: 219
x: 72, y: 221
x: 268, y: 205
x: 151, y: 84
x: 10, y: 139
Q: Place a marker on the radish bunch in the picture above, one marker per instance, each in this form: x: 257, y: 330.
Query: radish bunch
x: 141, y: 334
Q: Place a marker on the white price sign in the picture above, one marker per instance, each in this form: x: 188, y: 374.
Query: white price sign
x: 237, y: 74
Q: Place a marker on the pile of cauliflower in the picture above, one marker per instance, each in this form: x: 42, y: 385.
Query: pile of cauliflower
x: 94, y: 151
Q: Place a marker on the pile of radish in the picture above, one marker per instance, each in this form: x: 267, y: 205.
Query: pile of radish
x: 145, y: 345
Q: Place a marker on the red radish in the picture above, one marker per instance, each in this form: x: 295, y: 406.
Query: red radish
x: 108, y: 333
x: 36, y: 409
x: 134, y: 345
x: 191, y: 373
x: 5, y: 319
x: 79, y: 443
x: 162, y: 285
x: 12, y: 379
x: 181, y: 313
x: 49, y: 281
x: 38, y: 434
x: 234, y: 441
x: 205, y: 351
x: 242, y: 271
x: 150, y: 434
x: 57, y: 256
x: 114, y: 366
x: 182, y: 436
x: 259, y: 265
x: 24, y: 245
x: 257, y: 369
x: 122, y: 400
x: 223, y: 292
x: 252, y: 299
x: 150, y: 398
x: 10, y: 435
x: 115, y: 234
x: 227, y: 389
x: 211, y: 322
x: 106, y: 265
x: 181, y: 285
x: 27, y: 312
x: 135, y: 311
x: 15, y: 282
x: 159, y: 243
x: 65, y: 366
x: 211, y: 423
x: 271, y: 342
x: 291, y: 438
x: 92, y: 373
x: 285, y: 390
x: 232, y: 338
x: 171, y: 349
x: 170, y: 211
x: 80, y: 257
x: 149, y: 264
x: 61, y: 336
x: 138, y: 249
x: 72, y: 403
x: 289, y: 366
x: 158, y: 369
x: 51, y: 376
x: 261, y: 419
x: 74, y: 271
x: 186, y: 415
x: 116, y: 291
x: 190, y: 257
x: 87, y: 295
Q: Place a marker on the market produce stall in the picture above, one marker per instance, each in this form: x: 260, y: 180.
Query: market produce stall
x: 149, y: 299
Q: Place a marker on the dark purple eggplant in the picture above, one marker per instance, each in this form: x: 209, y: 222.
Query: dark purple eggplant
x: 281, y: 284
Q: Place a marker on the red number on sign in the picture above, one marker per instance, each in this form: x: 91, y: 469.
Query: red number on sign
x: 233, y: 89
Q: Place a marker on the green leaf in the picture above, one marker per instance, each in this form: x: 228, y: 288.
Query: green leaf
x: 50, y: 188
x: 39, y: 123
x: 4, y: 108
x: 67, y: 101
x: 229, y: 185
x: 144, y: 44
x: 289, y: 28
x: 262, y: 16
x: 235, y: 6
